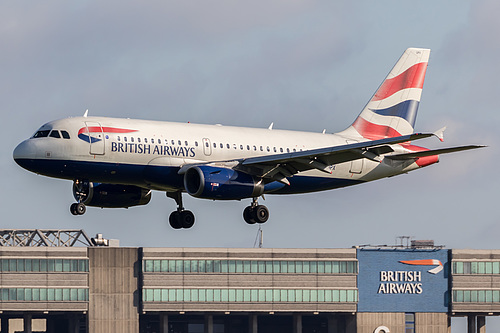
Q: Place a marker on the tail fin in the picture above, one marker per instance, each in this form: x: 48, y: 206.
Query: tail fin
x: 393, y: 108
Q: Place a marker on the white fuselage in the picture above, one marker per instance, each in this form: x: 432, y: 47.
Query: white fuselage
x: 150, y: 153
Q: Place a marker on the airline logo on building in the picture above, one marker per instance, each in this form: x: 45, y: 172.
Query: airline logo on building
x: 403, y: 280
x: 407, y: 282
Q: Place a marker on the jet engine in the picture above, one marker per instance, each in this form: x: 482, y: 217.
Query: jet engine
x: 220, y: 183
x: 110, y: 195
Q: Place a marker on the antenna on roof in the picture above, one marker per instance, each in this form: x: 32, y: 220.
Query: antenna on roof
x: 86, y: 113
x: 260, y: 237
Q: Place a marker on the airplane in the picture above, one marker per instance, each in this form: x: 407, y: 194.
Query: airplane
x: 117, y: 163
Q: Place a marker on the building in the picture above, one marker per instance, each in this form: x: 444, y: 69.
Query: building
x: 219, y: 290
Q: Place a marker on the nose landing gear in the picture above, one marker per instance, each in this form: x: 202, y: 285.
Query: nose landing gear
x: 255, y: 213
x: 81, y: 191
x: 180, y: 218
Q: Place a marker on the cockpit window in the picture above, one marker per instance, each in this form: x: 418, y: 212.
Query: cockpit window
x: 55, y: 134
x: 65, y: 134
x: 42, y: 134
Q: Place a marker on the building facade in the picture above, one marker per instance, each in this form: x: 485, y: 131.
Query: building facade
x: 221, y: 290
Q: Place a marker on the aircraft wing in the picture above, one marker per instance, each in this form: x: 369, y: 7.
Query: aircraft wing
x: 280, y: 166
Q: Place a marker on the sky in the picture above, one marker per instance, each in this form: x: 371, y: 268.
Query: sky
x: 304, y: 65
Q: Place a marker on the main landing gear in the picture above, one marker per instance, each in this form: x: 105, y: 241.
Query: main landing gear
x: 77, y: 208
x: 180, y: 218
x: 80, y: 192
x: 255, y: 213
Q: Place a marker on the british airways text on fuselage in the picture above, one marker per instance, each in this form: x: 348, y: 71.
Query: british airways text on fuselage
x: 142, y: 148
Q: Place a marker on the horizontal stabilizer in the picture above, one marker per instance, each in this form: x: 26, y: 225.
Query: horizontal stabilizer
x: 432, y: 152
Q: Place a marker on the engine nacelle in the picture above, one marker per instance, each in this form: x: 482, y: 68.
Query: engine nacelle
x: 210, y: 182
x: 110, y: 195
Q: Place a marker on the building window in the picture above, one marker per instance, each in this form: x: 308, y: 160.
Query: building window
x: 476, y: 296
x: 476, y: 267
x: 251, y: 295
x: 250, y: 266
x: 44, y: 265
x: 44, y: 294
x: 409, y: 323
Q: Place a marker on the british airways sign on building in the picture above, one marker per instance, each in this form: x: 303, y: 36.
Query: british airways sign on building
x: 406, y: 280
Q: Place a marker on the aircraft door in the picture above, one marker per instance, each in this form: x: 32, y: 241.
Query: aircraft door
x: 96, y: 138
x: 207, y: 147
x: 356, y: 165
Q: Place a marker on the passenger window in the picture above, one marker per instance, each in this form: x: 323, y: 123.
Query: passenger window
x: 248, y: 147
x: 173, y: 142
x: 159, y: 141
x: 215, y: 145
x: 196, y: 143
x: 125, y: 139
x: 261, y: 149
x: 132, y: 139
x: 222, y: 145
x: 139, y: 140
x: 146, y: 140
x: 294, y: 150
x: 234, y: 146
x: 118, y: 138
x: 227, y: 145
x: 206, y: 144
x: 186, y: 143
x: 179, y: 142
x: 274, y: 148
x: 55, y: 134
x: 281, y: 150
x: 65, y: 134
x: 268, y: 149
x: 254, y: 148
x: 241, y: 147
x: 288, y: 150
x: 41, y: 134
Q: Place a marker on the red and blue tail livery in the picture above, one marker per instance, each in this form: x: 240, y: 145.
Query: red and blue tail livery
x: 117, y: 163
x: 393, y: 108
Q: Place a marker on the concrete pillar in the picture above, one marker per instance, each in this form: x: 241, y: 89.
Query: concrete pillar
x: 27, y: 323
x: 333, y: 324
x: 481, y: 324
x: 253, y: 323
x: 209, y: 323
x: 471, y: 324
x: 297, y: 323
x: 163, y: 323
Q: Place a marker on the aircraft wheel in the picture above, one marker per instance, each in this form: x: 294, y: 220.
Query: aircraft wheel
x: 72, y: 209
x: 248, y: 215
x: 80, y: 208
x: 174, y: 220
x: 186, y: 218
x: 261, y: 214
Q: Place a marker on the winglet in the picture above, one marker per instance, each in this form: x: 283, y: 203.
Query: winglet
x: 271, y: 126
x: 86, y: 113
x: 440, y: 133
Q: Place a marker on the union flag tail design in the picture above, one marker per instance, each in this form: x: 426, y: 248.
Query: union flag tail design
x: 393, y: 108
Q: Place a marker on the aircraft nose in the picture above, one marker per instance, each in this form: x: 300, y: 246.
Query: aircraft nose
x: 24, y: 153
